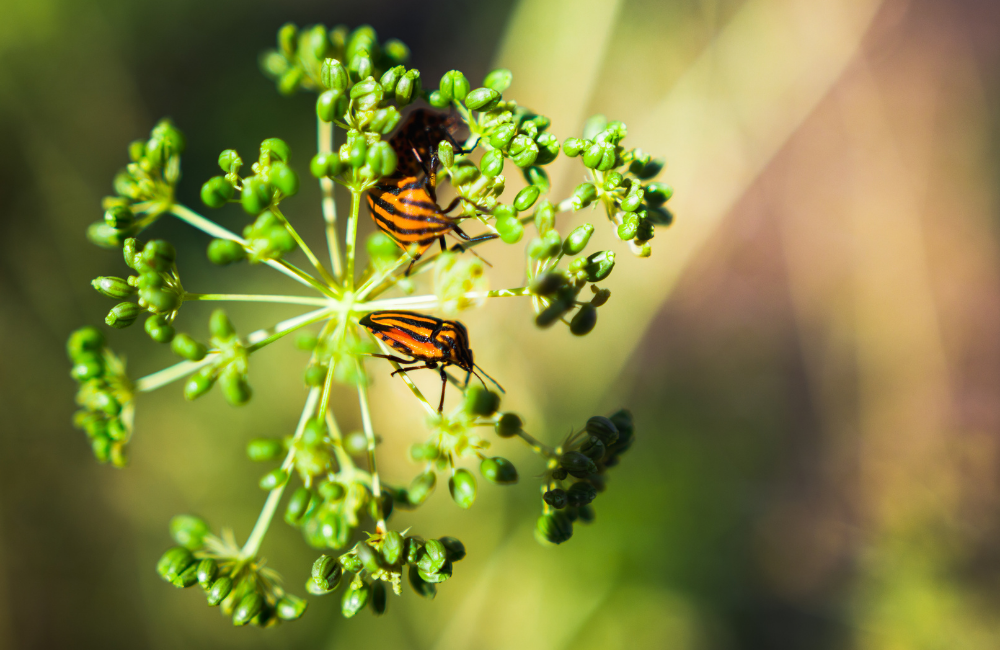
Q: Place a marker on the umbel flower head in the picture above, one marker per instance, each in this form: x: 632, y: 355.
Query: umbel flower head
x: 366, y: 317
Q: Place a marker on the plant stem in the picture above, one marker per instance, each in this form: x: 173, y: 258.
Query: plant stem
x: 376, y: 280
x: 366, y: 423
x: 238, y: 297
x: 406, y: 379
x: 325, y: 137
x: 170, y: 374
x: 273, y: 334
x: 429, y: 301
x: 253, y: 543
x: 305, y: 247
x: 352, y: 237
x: 537, y: 446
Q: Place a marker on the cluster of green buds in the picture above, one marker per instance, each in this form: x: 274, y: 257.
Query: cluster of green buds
x: 240, y: 586
x: 105, y: 395
x: 156, y: 286
x: 144, y: 190
x: 228, y: 365
x: 379, y: 561
x: 619, y: 177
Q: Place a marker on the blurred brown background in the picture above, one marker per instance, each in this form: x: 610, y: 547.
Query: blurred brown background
x: 811, y: 353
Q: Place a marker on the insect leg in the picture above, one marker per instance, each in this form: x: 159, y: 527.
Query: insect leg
x: 392, y: 358
x: 444, y: 384
x: 394, y: 372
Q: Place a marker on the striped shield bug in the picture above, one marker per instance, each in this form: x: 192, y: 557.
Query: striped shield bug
x: 438, y: 343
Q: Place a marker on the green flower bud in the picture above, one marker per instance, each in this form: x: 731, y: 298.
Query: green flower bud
x: 390, y: 78
x: 174, y: 562
x: 629, y: 227
x: 220, y: 326
x: 255, y: 195
x: 326, y: 572
x: 508, y: 425
x: 249, y: 606
x: 584, y: 321
x: 379, y: 601
x: 159, y: 255
x: 159, y: 299
x: 548, y: 148
x: 498, y: 470
x: 510, y: 229
x: 578, y: 239
x: 503, y: 136
x: 599, y: 265
x: 546, y: 246
x: 526, y: 197
x: 262, y: 450
x: 492, y: 163
x: 369, y: 558
x: 219, y: 590
x: 186, y: 347
x: 523, y: 151
x: 603, y: 429
x: 284, y: 179
x: 189, y: 531
x: 580, y: 494
x: 462, y: 486
x: 454, y: 548
x: 576, y: 462
x: 573, y: 147
x: 593, y: 448
x: 454, y: 86
x: 499, y: 80
x: 230, y: 161
x: 357, y: 152
x: 355, y: 599
x: 422, y: 587
x: 328, y: 104
x: 86, y: 368
x: 290, y: 608
x: 434, y: 557
x: 446, y: 153
x: 298, y: 504
x: 421, y: 487
x: 408, y: 87
x: 385, y: 120
x: 273, y: 479
x: 584, y: 195
x: 482, y: 99
x: 216, y: 192
x: 187, y: 579
x: 594, y: 154
x: 439, y: 576
x: 396, y: 51
x: 646, y: 169
x: 413, y: 548
x: 84, y: 340
x: 556, y: 498
x: 553, y: 528
x: 392, y: 547
x: 119, y: 217
x: 480, y: 401
x: 333, y: 75
x: 235, y: 388
x: 199, y: 383
x: 113, y: 287
x: 657, y: 194
x: 122, y: 315
x: 623, y: 423
x: 382, y: 158
x: 612, y: 181
x: 545, y: 217
x: 437, y: 100
x: 273, y: 149
x: 366, y: 94
x: 225, y: 251
x: 207, y: 571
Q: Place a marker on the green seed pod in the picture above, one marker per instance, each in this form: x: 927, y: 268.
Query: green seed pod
x: 220, y: 326
x: 413, y: 548
x: 379, y: 600
x: 633, y: 200
x: 273, y: 479
x: 159, y: 255
x: 510, y: 229
x: 396, y: 51
x: 129, y: 252
x: 659, y: 217
x: 159, y: 329
x: 623, y: 423
x: 328, y: 104
x: 385, y: 120
x: 601, y: 296
x: 559, y: 474
x: 593, y: 156
x: 369, y: 558
x: 480, y: 401
x: 390, y: 78
x: 160, y: 300
x: 362, y: 67
x: 326, y: 572
x: 584, y: 195
x: 119, y: 217
x: 315, y: 374
x: 421, y: 487
x: 122, y: 315
x: 408, y: 87
x: 573, y: 147
x: 225, y: 251
x: 200, y: 383
x: 438, y: 576
x: 594, y: 125
x: 186, y: 347
x: 262, y: 450
x: 357, y: 152
x: 657, y: 194
x: 333, y: 75
x: 584, y: 320
x: 101, y: 447
x: 548, y: 148
x: 355, y: 599
x: 255, y: 195
x: 84, y: 340
x: 174, y: 562
x: 576, y: 462
x: 392, y: 547
x: 234, y: 386
x: 298, y: 505
x: 612, y: 181
x: 284, y: 179
x: 230, y: 161
x: 249, y: 606
x: 593, y: 448
x: 603, y: 428
x: 186, y: 579
x: 548, y: 316
x: 548, y: 283
x: 526, y: 197
x: 84, y: 369
x: 492, y: 163
x: 216, y: 192
x: 509, y: 425
x: 553, y: 528
x: 599, y: 265
x: 454, y: 86
x: 207, y: 572
x: 523, y: 151
x: 498, y: 470
x: 462, y: 486
x: 502, y: 136
x: 219, y: 590
x: 580, y: 494
x: 288, y: 38
x: 556, y: 498
x: 421, y: 586
x: 482, y: 99
x: 629, y: 227
x: 464, y: 173
x: 454, y: 548
x: 434, y: 557
x: 578, y: 239
x: 499, y: 79
x: 646, y: 169
x: 189, y: 531
x: 290, y: 608
x: 437, y: 100
x: 446, y: 154
x: 545, y: 217
x: 113, y: 287
x: 382, y: 158
x: 367, y: 88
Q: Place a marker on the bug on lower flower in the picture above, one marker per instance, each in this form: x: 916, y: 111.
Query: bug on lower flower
x: 340, y: 501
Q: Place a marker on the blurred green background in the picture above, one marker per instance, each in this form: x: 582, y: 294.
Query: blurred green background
x: 811, y: 354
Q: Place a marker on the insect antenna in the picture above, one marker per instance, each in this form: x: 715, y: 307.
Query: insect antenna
x: 495, y: 382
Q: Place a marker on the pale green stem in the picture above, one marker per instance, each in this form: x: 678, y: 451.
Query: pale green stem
x: 343, y: 458
x: 173, y: 373
x: 430, y: 301
x: 376, y: 280
x: 352, y: 237
x: 406, y: 379
x: 250, y: 549
x: 325, y: 143
x: 238, y: 297
x: 305, y: 247
x: 537, y: 446
x: 366, y: 423
x: 208, y: 226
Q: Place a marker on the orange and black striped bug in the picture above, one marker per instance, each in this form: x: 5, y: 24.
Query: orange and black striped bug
x: 438, y: 343
x: 417, y: 138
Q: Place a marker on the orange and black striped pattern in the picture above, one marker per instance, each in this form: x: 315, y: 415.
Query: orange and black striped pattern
x: 417, y: 138
x: 403, y: 209
x: 424, y: 338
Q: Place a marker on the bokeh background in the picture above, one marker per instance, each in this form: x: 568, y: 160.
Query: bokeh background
x: 811, y: 354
